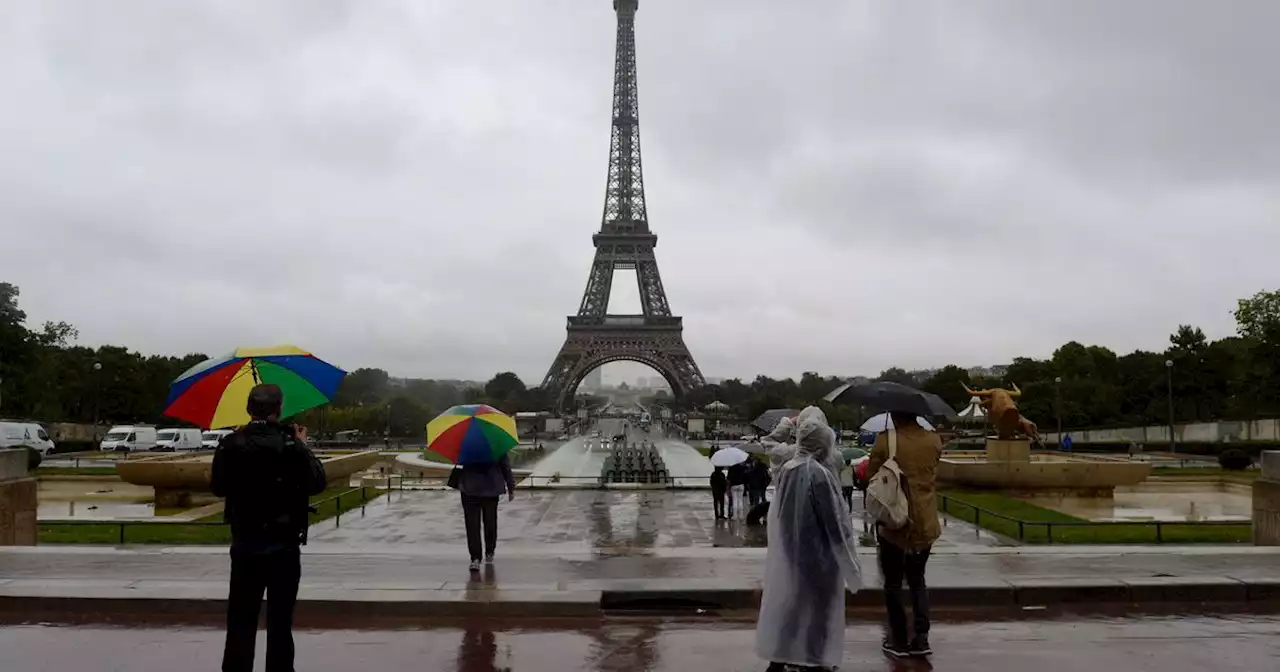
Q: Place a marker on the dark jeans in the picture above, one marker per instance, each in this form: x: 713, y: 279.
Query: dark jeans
x: 718, y: 500
x: 277, y: 573
x: 895, y: 565
x: 477, y: 510
x: 847, y: 491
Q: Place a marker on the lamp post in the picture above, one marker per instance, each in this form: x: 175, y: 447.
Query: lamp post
x: 1057, y: 390
x: 97, y: 368
x: 1168, y: 367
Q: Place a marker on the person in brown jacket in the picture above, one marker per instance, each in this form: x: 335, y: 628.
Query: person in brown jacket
x: 904, y: 551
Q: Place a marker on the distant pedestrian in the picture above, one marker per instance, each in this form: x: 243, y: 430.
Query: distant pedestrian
x: 847, y: 482
x: 481, y: 486
x: 719, y: 486
x: 757, y: 482
x: 737, y: 483
x: 267, y: 474
x: 905, y: 551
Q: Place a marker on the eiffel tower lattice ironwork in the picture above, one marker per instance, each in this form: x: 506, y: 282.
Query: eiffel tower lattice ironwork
x: 655, y: 337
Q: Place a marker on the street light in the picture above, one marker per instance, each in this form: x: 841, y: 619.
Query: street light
x: 97, y: 366
x: 1057, y: 388
x: 1168, y: 367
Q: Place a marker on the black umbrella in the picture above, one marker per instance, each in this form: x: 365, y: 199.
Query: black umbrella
x: 770, y: 418
x: 889, y: 396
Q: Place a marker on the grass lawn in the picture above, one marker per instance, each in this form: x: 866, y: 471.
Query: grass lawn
x: 207, y: 531
x: 1032, y: 530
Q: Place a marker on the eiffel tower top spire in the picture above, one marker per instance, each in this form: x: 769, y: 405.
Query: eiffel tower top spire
x: 624, y: 208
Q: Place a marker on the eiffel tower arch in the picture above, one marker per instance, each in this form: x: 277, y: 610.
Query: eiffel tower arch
x: 654, y: 338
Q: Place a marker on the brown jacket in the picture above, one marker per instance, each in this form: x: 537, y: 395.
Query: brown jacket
x: 919, y: 451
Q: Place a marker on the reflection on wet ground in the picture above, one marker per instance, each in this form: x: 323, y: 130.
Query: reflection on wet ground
x: 1164, y: 644
x: 610, y: 520
x: 1159, y: 501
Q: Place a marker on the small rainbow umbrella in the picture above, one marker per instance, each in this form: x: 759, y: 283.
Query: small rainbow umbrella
x: 213, y: 393
x: 471, y: 434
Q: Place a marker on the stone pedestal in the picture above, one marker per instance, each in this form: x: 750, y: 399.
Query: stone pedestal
x: 1011, y: 450
x: 1266, y: 501
x: 17, y: 500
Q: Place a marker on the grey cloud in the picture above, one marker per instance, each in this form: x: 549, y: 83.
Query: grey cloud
x: 837, y: 186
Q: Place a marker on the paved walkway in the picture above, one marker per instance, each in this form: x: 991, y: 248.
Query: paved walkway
x: 578, y: 520
x: 1190, y: 644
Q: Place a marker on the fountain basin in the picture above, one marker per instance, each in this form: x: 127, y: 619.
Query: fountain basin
x: 1020, y: 471
x: 183, y: 480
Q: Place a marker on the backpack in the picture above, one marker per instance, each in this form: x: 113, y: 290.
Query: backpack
x: 887, y: 501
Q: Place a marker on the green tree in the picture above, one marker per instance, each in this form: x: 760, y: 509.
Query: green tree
x: 949, y: 383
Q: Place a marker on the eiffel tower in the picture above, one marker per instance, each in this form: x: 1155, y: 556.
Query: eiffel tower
x: 654, y: 338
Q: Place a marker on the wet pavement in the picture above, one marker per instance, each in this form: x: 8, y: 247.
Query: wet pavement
x: 606, y: 520
x: 1159, y: 644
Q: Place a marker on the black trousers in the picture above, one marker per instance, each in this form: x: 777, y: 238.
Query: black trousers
x: 897, y: 564
x: 477, y: 511
x: 277, y: 573
x: 847, y: 491
x: 755, y: 496
x: 718, y: 499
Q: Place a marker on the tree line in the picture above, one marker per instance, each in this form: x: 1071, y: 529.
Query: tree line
x: 44, y: 375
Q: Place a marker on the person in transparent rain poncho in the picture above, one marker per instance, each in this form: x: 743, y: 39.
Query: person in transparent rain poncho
x: 778, y: 446
x: 812, y: 557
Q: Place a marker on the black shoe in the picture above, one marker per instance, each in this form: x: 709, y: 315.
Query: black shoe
x: 894, y: 650
x: 920, y: 647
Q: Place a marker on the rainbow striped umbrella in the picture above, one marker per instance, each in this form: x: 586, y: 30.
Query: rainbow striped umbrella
x: 213, y: 393
x: 471, y: 434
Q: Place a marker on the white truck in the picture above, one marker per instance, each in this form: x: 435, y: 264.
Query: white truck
x: 14, y: 434
x: 209, y: 440
x: 128, y: 438
x: 177, y: 438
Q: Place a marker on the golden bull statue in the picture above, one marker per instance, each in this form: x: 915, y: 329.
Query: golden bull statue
x: 1003, y: 413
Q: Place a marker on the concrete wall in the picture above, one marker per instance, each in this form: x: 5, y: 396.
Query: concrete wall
x: 1199, y: 432
x: 17, y: 500
x: 1266, y: 501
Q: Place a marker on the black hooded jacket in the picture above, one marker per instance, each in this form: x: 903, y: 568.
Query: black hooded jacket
x: 267, y: 476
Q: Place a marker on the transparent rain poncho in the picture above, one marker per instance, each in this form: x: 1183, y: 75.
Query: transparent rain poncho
x: 778, y: 446
x: 812, y: 556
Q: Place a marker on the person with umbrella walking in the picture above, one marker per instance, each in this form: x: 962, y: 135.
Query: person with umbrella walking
x: 477, y: 437
x: 812, y: 558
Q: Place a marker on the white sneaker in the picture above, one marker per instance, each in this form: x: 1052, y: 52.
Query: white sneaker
x: 475, y: 565
x: 488, y: 559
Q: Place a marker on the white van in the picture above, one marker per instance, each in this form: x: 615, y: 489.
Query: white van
x: 177, y: 438
x: 14, y: 434
x: 126, y: 438
x: 209, y: 440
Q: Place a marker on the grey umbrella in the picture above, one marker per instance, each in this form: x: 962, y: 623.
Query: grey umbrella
x: 770, y: 418
x: 890, y: 396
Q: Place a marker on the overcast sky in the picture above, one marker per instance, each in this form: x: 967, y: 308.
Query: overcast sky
x: 837, y: 185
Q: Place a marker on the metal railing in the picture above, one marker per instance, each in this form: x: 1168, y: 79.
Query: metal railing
x: 948, y: 505
x: 121, y: 526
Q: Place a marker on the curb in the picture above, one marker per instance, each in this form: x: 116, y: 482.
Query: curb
x: 209, y: 599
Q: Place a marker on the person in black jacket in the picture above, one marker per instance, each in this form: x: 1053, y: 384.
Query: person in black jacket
x: 757, y: 482
x: 267, y: 475
x: 719, y: 486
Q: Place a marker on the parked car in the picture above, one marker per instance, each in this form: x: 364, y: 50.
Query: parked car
x: 178, y: 438
x: 209, y: 440
x: 128, y: 438
x: 14, y: 434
